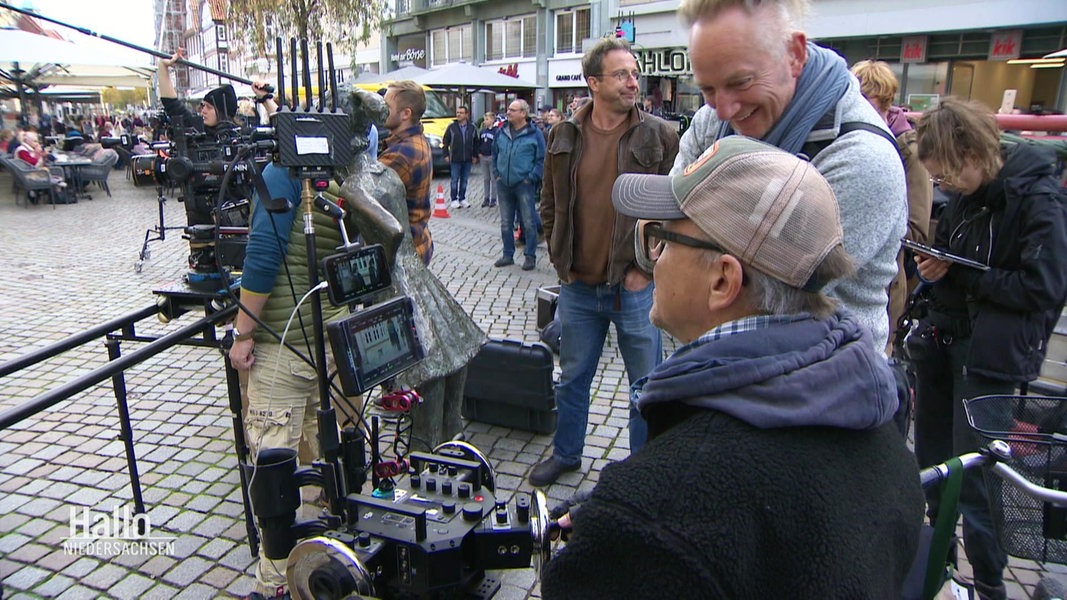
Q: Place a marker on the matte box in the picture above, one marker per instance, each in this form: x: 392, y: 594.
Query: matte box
x: 509, y: 383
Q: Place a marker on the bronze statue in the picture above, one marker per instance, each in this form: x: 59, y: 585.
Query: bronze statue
x: 374, y: 198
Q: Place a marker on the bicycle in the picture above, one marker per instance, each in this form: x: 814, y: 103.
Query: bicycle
x: 1027, y: 450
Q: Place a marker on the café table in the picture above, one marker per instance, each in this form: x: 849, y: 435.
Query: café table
x: 72, y: 165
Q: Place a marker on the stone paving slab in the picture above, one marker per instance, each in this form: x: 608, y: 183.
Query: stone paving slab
x: 71, y: 268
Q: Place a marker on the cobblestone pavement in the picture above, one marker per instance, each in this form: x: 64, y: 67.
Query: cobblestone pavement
x: 71, y: 267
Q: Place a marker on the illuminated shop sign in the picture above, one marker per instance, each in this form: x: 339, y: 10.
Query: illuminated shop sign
x: 664, y: 62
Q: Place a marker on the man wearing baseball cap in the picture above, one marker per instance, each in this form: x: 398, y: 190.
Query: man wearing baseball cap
x: 772, y: 467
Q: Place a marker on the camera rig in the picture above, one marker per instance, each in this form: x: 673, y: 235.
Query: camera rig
x: 431, y: 524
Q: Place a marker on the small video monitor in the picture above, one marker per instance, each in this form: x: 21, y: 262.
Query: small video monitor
x: 375, y: 344
x: 355, y: 276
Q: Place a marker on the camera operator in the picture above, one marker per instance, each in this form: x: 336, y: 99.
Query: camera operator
x: 282, y: 388
x: 219, y: 112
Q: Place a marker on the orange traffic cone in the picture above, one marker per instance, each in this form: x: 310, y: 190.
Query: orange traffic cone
x: 440, y: 207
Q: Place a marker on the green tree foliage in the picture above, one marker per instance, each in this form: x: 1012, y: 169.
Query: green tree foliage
x: 258, y: 22
x: 123, y: 98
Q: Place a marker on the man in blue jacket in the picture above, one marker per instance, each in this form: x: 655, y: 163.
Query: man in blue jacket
x: 518, y: 161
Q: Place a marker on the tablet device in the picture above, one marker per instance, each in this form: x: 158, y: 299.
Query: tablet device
x: 942, y: 255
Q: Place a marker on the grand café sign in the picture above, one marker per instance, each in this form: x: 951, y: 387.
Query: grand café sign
x: 664, y: 62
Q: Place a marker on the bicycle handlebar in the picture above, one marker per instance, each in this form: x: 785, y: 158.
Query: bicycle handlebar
x: 993, y: 457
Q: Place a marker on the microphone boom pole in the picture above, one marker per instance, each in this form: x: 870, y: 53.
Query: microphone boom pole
x: 132, y: 46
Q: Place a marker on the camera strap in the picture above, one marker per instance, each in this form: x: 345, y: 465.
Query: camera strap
x: 273, y: 205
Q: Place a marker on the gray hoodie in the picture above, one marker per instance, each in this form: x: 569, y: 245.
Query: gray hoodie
x: 867, y: 177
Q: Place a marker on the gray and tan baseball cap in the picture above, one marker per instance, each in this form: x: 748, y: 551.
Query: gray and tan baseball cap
x: 773, y: 211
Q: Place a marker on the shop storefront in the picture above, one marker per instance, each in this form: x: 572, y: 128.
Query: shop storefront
x: 410, y: 52
x: 667, y: 80
x: 525, y: 70
x: 565, y: 82
x: 1001, y: 69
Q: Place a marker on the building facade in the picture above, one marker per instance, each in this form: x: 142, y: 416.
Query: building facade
x: 980, y: 49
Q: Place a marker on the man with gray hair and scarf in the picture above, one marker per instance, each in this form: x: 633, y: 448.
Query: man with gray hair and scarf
x: 767, y: 473
x: 762, y: 78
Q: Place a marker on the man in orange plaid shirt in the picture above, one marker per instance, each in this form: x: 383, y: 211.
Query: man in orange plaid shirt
x: 408, y: 153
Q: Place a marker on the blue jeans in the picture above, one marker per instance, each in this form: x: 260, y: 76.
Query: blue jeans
x: 517, y: 198
x: 460, y: 173
x: 585, y: 311
x: 941, y: 432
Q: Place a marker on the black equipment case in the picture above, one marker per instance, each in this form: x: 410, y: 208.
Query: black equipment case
x: 509, y: 383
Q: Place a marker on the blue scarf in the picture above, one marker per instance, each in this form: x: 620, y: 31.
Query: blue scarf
x: 820, y: 87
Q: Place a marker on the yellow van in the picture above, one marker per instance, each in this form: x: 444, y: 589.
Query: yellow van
x: 434, y: 121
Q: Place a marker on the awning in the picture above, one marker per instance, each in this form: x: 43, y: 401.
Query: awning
x: 37, y: 60
x: 470, y: 77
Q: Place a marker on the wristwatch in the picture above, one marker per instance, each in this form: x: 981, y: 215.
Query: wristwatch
x: 240, y: 337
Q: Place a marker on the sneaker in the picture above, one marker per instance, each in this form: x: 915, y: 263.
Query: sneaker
x: 486, y: 203
x: 529, y: 263
x: 454, y: 204
x: 464, y: 204
x: 492, y: 202
x: 549, y: 471
x: 504, y: 261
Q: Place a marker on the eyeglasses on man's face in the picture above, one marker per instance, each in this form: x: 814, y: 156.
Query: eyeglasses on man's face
x: 622, y: 75
x: 654, y: 240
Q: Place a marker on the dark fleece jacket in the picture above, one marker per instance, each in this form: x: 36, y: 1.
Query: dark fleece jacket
x: 718, y: 507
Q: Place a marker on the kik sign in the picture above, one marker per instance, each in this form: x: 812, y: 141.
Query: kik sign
x: 1005, y: 45
x: 913, y: 49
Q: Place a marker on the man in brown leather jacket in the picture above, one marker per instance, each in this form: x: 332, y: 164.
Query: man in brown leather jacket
x: 592, y: 247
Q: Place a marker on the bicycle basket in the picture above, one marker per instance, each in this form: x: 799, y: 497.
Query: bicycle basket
x: 1035, y: 428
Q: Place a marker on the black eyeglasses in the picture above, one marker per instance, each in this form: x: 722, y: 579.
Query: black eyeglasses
x: 654, y: 238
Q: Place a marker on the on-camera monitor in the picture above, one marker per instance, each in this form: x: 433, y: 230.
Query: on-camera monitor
x: 375, y: 344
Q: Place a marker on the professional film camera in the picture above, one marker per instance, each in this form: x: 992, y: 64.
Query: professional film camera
x: 217, y: 171
x: 215, y: 181
x: 432, y: 525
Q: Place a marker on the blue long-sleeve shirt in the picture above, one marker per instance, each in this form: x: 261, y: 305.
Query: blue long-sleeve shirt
x: 268, y: 237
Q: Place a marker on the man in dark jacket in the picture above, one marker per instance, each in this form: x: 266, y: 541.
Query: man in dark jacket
x: 773, y: 469
x: 461, y: 143
x: 592, y: 247
x: 217, y: 110
x: 518, y: 157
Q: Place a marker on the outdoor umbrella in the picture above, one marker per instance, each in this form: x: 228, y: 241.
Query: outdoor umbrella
x: 467, y: 76
x: 397, y: 75
x: 35, y: 60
